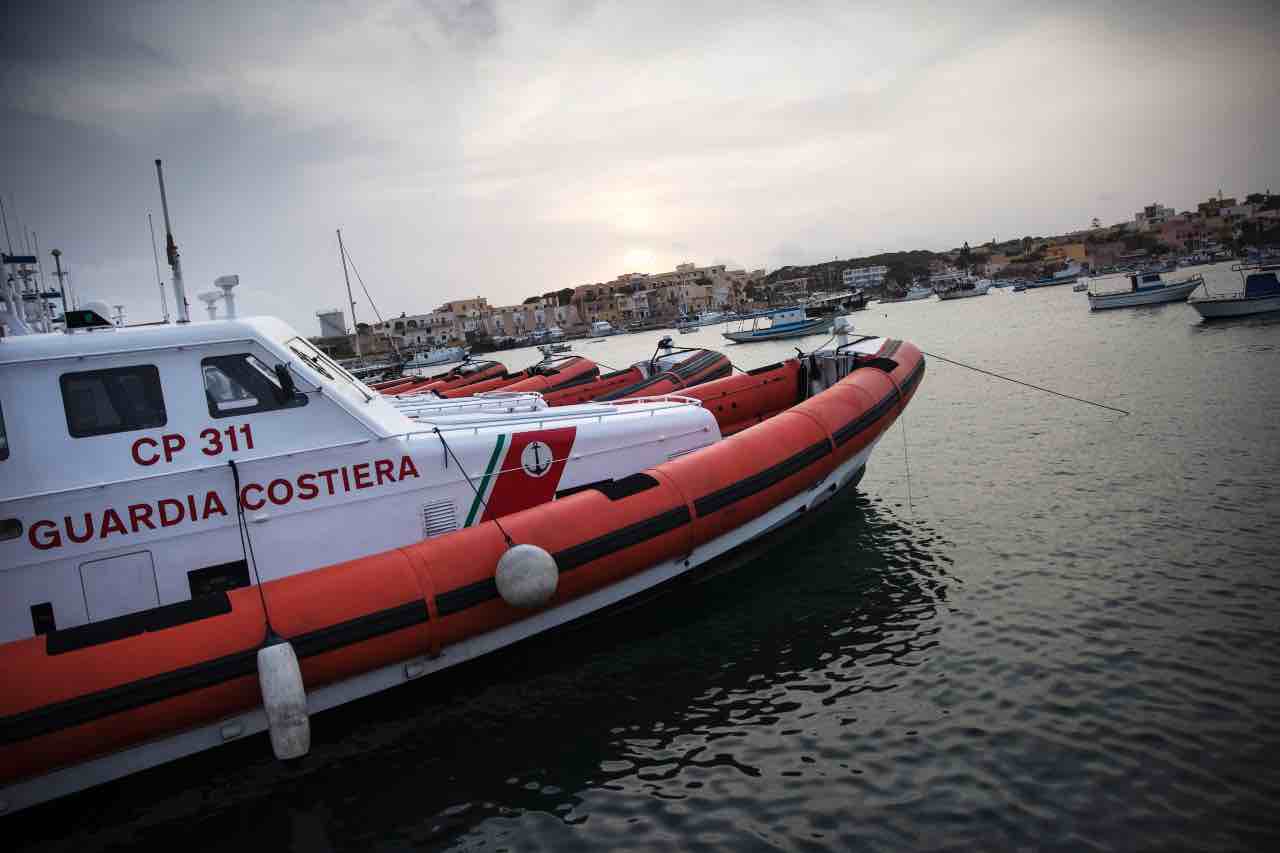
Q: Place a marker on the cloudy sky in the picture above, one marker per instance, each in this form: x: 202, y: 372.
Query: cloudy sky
x: 505, y: 149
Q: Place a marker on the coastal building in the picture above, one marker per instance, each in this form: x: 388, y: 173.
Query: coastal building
x: 1153, y: 215
x: 864, y: 277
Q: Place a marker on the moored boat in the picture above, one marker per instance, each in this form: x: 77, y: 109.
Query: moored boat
x: 432, y: 357
x: 256, y: 536
x: 1148, y: 288
x: 1259, y: 294
x: 775, y: 325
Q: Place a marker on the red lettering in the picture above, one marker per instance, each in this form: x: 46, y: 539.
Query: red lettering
x: 137, y: 451
x: 244, y: 497
x: 212, y: 505
x: 361, y: 474
x: 214, y: 438
x: 172, y: 444
x: 307, y: 488
x: 346, y: 484
x: 71, y: 529
x: 191, y: 505
x: 288, y: 492
x: 407, y: 468
x: 139, y: 515
x: 383, y: 468
x: 328, y: 478
x: 111, y: 523
x: 167, y: 519
x: 44, y: 541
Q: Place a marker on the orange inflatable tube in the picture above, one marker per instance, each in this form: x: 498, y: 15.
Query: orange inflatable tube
x: 82, y: 692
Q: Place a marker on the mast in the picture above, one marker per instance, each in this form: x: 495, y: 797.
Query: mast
x: 155, y: 256
x: 171, y: 249
x: 351, y: 299
x: 57, y: 260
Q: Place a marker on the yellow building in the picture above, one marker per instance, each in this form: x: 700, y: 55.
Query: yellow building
x: 1066, y: 252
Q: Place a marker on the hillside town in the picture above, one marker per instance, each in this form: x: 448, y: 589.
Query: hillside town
x: 1219, y: 227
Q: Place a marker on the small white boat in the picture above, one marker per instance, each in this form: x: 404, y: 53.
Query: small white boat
x: 432, y: 357
x: 919, y: 291
x: 602, y: 328
x: 1080, y: 287
x: 1148, y: 288
x: 1260, y: 294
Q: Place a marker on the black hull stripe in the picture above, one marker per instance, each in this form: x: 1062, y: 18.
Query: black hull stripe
x: 481, y: 591
x: 757, y: 483
x: 849, y: 431
x: 157, y: 688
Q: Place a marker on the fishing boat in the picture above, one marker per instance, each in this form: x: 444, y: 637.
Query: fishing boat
x: 240, y: 534
x: 437, y: 355
x: 705, y: 318
x: 1147, y: 288
x: 1259, y: 294
x: 555, y: 348
x: 776, y: 325
x: 1069, y: 275
x: 832, y: 304
x: 958, y: 285
x: 602, y: 329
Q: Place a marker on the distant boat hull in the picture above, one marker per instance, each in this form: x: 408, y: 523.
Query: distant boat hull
x: 790, y: 330
x: 1235, y: 307
x: 961, y: 293
x: 1152, y: 296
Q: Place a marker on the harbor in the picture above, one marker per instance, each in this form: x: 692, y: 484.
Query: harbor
x: 988, y: 607
x: 494, y: 427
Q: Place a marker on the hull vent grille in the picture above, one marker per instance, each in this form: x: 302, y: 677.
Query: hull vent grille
x: 438, y: 518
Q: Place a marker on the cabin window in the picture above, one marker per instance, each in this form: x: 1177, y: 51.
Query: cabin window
x: 118, y: 399
x: 4, y: 437
x: 242, y: 384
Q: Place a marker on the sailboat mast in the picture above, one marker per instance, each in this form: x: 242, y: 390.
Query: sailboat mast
x: 351, y: 299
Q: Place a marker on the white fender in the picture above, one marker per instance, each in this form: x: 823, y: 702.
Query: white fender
x: 527, y: 576
x: 284, y: 698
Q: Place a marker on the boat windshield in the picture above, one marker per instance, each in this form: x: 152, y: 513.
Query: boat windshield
x: 322, y: 364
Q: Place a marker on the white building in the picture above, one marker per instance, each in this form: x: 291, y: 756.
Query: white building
x: 864, y: 277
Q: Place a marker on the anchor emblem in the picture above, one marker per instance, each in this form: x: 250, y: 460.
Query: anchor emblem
x: 536, y: 458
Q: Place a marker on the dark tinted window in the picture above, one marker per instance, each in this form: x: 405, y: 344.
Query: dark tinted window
x: 4, y: 437
x: 99, y: 402
x: 240, y: 384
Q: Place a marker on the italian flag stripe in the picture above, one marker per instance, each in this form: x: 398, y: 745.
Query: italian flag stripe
x: 477, y: 505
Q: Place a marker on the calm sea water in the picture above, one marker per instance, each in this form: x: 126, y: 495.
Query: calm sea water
x: 1036, y: 625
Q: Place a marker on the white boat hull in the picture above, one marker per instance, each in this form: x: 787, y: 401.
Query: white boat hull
x: 1210, y: 308
x: 1155, y: 296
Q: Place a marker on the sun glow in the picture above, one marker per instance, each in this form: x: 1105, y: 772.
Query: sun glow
x: 639, y: 260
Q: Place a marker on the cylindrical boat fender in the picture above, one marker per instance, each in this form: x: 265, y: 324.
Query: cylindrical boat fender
x: 285, y: 700
x: 526, y: 576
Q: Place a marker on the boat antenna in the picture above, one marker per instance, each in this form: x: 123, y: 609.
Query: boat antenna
x: 155, y: 256
x: 5, y: 220
x: 355, y: 327
x: 171, y: 250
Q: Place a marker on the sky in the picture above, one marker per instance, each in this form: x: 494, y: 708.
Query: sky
x: 470, y: 147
